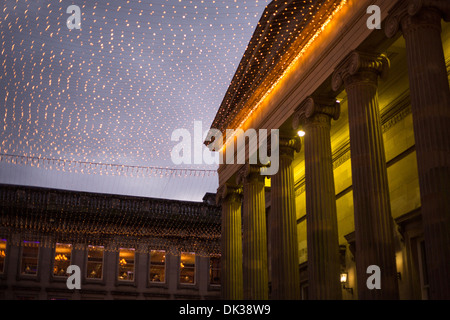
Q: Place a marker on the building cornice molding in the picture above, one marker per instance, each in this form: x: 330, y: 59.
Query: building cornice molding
x: 272, y: 75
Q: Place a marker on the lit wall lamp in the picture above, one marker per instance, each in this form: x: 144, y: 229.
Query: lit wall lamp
x: 301, y: 133
x: 344, y: 282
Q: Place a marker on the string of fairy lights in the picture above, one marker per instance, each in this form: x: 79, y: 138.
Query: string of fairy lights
x: 294, y: 24
x: 105, y: 99
x: 103, y: 168
x: 110, y: 221
x: 115, y: 90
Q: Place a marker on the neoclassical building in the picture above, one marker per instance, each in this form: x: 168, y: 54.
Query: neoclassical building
x: 127, y: 248
x: 364, y: 154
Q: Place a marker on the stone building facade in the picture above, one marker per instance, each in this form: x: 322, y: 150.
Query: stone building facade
x: 126, y: 247
x: 364, y: 154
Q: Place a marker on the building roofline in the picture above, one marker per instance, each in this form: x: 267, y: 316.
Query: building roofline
x: 279, y: 27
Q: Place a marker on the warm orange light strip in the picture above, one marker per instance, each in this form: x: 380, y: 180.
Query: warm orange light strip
x: 288, y: 69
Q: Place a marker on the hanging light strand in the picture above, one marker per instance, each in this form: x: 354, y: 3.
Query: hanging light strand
x: 99, y: 168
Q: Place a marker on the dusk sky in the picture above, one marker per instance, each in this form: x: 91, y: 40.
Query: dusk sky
x: 94, y: 109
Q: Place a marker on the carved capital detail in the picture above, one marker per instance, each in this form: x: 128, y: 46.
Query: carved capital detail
x: 316, y: 110
x: 289, y: 145
x: 443, y: 6
x: 357, y: 63
x: 228, y: 192
x: 249, y: 173
x: 410, y: 14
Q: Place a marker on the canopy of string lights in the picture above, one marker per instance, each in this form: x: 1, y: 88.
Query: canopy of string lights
x: 93, y: 109
x: 48, y: 216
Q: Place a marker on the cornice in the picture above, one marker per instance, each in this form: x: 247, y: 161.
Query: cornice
x: 270, y: 75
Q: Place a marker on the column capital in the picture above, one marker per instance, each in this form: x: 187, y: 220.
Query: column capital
x: 250, y: 173
x: 357, y: 63
x: 316, y: 110
x: 289, y: 144
x: 228, y: 192
x: 408, y: 14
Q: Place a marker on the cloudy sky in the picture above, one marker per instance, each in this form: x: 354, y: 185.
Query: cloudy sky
x: 93, y: 109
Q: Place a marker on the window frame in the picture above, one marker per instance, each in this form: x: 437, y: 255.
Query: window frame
x: 194, y: 284
x: 87, y: 263
x: 215, y: 285
x: 122, y: 281
x: 157, y: 283
x: 38, y: 256
x: 3, y: 270
x: 52, y: 272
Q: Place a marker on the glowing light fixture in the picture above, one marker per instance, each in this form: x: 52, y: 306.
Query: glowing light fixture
x: 344, y: 282
x: 344, y: 277
x: 301, y: 133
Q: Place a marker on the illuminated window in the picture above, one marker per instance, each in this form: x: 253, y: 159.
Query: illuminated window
x: 126, y: 264
x: 2, y: 255
x: 187, y: 268
x: 94, y: 268
x: 63, y: 255
x: 157, y: 266
x: 214, y: 270
x: 30, y: 258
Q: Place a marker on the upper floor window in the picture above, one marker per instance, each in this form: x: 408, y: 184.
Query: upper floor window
x: 187, y: 268
x: 63, y: 256
x: 2, y: 255
x: 126, y: 264
x: 157, y: 266
x: 214, y: 270
x: 94, y: 268
x: 30, y: 258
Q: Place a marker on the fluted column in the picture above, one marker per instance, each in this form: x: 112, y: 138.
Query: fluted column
x: 359, y: 74
x: 315, y: 115
x: 255, y: 266
x: 231, y: 243
x: 283, y: 225
x: 420, y: 22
